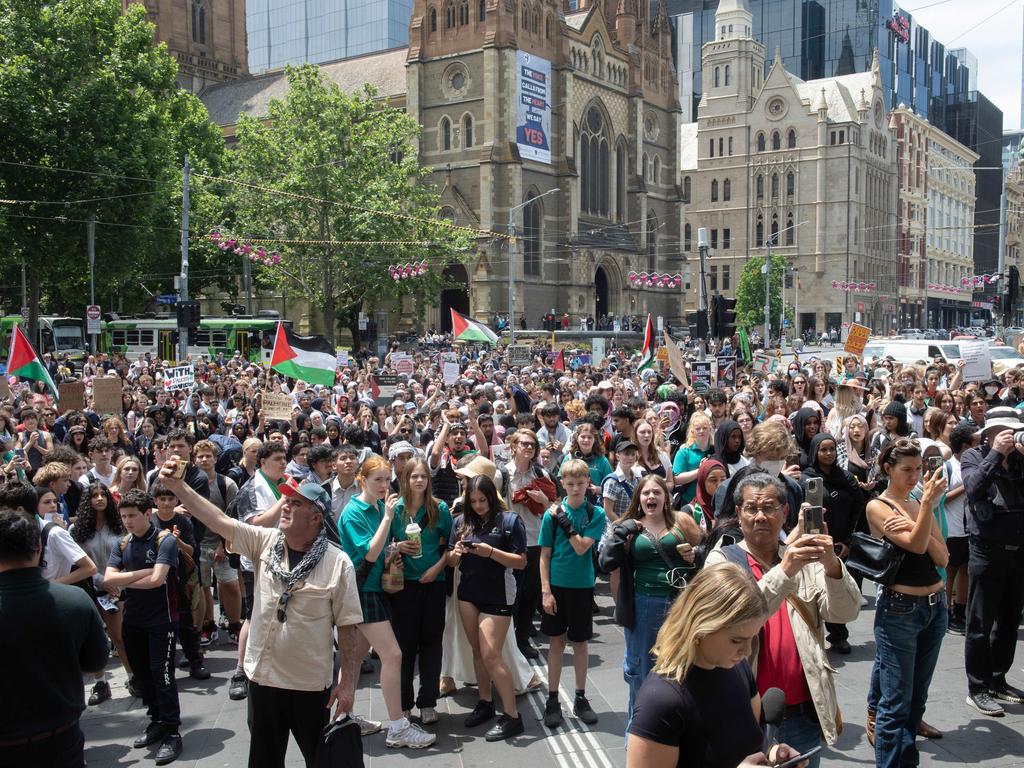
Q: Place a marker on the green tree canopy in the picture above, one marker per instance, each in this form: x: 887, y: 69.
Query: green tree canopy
x: 94, y: 125
x: 333, y: 182
x: 750, y: 293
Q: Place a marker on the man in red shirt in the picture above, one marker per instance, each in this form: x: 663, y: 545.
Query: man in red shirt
x: 805, y: 585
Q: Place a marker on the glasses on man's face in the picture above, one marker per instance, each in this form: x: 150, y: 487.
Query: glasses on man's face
x: 768, y: 509
x: 405, y: 431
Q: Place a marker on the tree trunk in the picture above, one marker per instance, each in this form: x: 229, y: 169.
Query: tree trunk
x: 350, y: 316
x: 330, y: 301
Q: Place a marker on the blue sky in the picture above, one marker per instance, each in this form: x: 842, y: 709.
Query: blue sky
x: 996, y: 41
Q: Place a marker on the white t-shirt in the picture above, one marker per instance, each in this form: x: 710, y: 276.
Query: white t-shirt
x: 955, y: 509
x: 61, y: 552
x: 94, y: 474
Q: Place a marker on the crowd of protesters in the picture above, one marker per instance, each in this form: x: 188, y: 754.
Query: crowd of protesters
x: 454, y: 525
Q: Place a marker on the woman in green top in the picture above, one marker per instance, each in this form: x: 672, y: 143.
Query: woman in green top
x: 365, y: 530
x: 419, y: 609
x: 644, y: 546
x: 690, y: 455
x: 586, y: 444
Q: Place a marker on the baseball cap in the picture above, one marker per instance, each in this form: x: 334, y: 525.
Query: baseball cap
x: 309, y: 490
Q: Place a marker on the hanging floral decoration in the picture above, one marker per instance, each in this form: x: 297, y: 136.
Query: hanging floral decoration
x: 843, y: 285
x: 401, y: 272
x: 654, y: 280
x: 256, y: 254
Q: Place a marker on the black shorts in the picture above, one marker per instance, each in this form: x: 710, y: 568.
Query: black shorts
x: 493, y: 608
x: 249, y: 580
x: 574, y: 614
x: 959, y: 550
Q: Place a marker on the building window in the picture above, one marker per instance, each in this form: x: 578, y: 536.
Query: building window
x: 728, y: 75
x: 711, y: 147
x: 718, y: 76
x: 856, y: 181
x: 652, y: 240
x: 594, y: 164
x: 832, y: 138
x: 687, y: 238
x: 775, y: 229
x: 463, y: 13
x: 714, y: 277
x: 525, y: 23
x: 446, y: 134
x: 726, y: 238
x: 776, y: 140
x: 726, y: 191
x: 721, y: 147
x: 657, y: 171
x: 433, y: 19
x: 467, y: 131
x: 790, y: 229
x: 730, y: 146
x: 760, y: 142
x: 644, y: 165
x: 686, y: 189
x: 199, y: 22
x: 621, y: 161
x: 856, y: 231
x: 759, y: 185
x: 775, y: 185
x: 759, y: 236
x: 791, y: 139
x: 726, y: 277
x: 790, y: 184
x: 481, y: 11
x: 449, y: 15
x: 547, y: 27
x: 842, y: 137
x: 532, y: 215
x: 714, y: 190
x: 714, y: 239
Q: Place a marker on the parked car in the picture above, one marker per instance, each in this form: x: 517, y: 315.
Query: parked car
x: 912, y: 333
x: 1003, y: 359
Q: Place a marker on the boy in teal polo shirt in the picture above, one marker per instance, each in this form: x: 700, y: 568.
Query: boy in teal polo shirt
x: 567, y: 533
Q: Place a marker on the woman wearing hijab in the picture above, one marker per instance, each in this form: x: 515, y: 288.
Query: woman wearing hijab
x: 671, y: 425
x: 729, y: 445
x: 844, y: 505
x: 806, y: 424
x: 855, y: 458
x: 710, y: 475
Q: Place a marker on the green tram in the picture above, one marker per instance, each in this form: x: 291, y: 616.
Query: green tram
x: 252, y: 337
x: 56, y: 335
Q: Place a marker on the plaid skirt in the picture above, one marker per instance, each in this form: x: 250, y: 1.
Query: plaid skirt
x: 376, y: 607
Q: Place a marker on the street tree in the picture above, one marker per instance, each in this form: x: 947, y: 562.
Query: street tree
x: 94, y: 127
x: 332, y: 182
x: 750, y: 292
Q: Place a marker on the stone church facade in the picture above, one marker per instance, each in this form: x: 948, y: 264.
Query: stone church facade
x: 806, y: 167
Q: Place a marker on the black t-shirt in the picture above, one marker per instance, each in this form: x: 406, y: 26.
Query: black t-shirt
x: 185, y: 528
x: 149, y: 607
x: 708, y: 717
x: 484, y: 580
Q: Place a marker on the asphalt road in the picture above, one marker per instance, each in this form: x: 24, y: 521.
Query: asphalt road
x: 215, y: 732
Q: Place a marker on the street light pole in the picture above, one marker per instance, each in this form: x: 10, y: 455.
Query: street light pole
x: 90, y: 238
x: 767, y: 294
x: 702, y: 296
x: 512, y: 262
x: 183, y: 285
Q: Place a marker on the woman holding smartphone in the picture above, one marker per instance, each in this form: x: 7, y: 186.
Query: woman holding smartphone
x: 488, y: 545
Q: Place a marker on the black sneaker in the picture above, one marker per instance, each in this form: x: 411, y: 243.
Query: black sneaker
x: 482, y: 712
x: 100, y: 693
x: 239, y: 688
x: 184, y: 663
x: 154, y: 732
x: 582, y: 709
x: 1008, y: 693
x: 198, y: 672
x: 505, y: 728
x: 170, y: 750
x: 528, y: 650
x: 957, y: 626
x: 553, y: 713
x: 840, y: 646
x: 984, y: 703
x: 133, y: 688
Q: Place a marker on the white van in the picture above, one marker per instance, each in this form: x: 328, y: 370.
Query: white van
x: 909, y: 351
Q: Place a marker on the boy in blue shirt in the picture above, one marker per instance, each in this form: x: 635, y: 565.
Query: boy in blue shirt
x: 567, y: 533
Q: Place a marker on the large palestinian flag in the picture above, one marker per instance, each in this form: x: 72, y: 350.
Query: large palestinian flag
x: 309, y: 358
x: 647, y: 358
x: 467, y: 329
x: 23, y: 361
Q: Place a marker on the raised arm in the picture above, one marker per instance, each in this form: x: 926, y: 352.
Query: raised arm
x: 202, y: 509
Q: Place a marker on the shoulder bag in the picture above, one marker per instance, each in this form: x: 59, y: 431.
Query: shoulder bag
x: 877, y: 560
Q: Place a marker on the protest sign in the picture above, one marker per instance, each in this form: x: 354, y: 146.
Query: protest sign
x: 402, y: 363
x: 384, y: 387
x: 762, y: 362
x: 977, y: 361
x: 450, y: 371
x: 856, y: 339
x: 71, y: 395
x: 342, y: 358
x: 106, y: 395
x: 277, y: 407
x: 519, y: 355
x: 5, y: 388
x: 727, y: 370
x: 181, y: 377
x: 676, y: 364
x: 704, y: 374
x: 597, y: 347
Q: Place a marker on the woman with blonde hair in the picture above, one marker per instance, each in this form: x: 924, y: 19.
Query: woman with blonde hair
x: 700, y: 705
x: 114, y: 430
x: 690, y: 454
x: 650, y: 460
x: 128, y: 476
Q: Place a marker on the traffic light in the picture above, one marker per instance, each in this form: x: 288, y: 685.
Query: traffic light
x: 726, y: 317
x: 714, y: 316
x: 188, y: 314
x: 698, y: 322
x: 1011, y: 297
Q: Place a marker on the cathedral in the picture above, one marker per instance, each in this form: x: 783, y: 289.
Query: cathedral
x: 563, y: 122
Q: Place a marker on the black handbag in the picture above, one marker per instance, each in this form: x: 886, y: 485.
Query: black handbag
x: 877, y: 560
x: 340, y: 745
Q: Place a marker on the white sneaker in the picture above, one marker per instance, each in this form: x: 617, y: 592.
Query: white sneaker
x: 428, y: 715
x: 366, y: 727
x: 411, y: 736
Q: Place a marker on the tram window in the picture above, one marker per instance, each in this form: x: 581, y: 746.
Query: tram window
x: 146, y: 338
x: 118, y: 338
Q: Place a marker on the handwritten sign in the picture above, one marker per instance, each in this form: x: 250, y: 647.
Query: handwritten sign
x: 597, y: 347
x: 676, y: 364
x: 402, y: 363
x: 181, y: 377
x: 450, y: 372
x: 277, y: 407
x: 106, y: 395
x: 856, y: 339
x: 519, y: 355
x: 762, y: 362
x: 977, y: 361
x: 72, y: 396
x: 704, y: 374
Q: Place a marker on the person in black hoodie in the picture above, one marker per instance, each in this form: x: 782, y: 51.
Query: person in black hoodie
x: 806, y: 424
x: 844, y: 504
x: 729, y: 445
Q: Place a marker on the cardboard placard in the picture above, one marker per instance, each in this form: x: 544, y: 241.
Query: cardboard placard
x: 71, y: 396
x: 519, y: 355
x: 977, y: 361
x: 704, y: 374
x: 385, y: 385
x: 762, y: 362
x: 676, y: 364
x: 402, y: 363
x: 856, y: 339
x: 5, y: 389
x: 342, y: 358
x: 106, y: 396
x: 450, y: 372
x: 277, y: 407
x: 727, y: 370
x: 597, y: 348
x: 180, y: 377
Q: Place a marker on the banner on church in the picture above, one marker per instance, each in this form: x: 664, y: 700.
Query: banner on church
x: 533, y: 107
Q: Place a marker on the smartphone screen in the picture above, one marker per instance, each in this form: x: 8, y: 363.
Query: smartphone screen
x: 799, y: 758
x: 813, y: 520
x: 813, y: 491
x: 934, y: 463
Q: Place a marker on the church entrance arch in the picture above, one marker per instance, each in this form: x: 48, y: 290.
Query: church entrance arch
x: 456, y: 297
x: 601, y: 298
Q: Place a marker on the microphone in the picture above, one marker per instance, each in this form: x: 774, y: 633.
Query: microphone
x: 773, y: 708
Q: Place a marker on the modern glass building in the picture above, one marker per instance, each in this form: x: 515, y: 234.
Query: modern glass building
x: 285, y: 32
x: 826, y: 38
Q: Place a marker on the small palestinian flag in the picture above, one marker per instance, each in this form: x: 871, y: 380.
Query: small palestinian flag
x: 309, y: 358
x: 559, y: 361
x: 467, y: 329
x: 647, y: 359
x: 24, y: 362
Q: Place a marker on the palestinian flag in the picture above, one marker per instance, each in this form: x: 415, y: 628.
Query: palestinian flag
x: 24, y: 362
x: 467, y: 329
x: 309, y: 358
x: 647, y: 354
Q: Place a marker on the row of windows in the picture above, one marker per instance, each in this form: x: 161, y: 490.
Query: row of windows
x: 199, y: 22
x: 726, y: 241
x: 713, y: 275
x: 651, y: 170
x: 444, y: 141
x: 721, y: 147
x: 776, y: 139
x: 790, y: 186
x: 773, y: 238
x: 457, y: 14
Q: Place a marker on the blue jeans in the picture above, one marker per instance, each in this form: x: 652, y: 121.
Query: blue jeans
x: 649, y: 613
x: 802, y: 733
x: 908, y: 637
